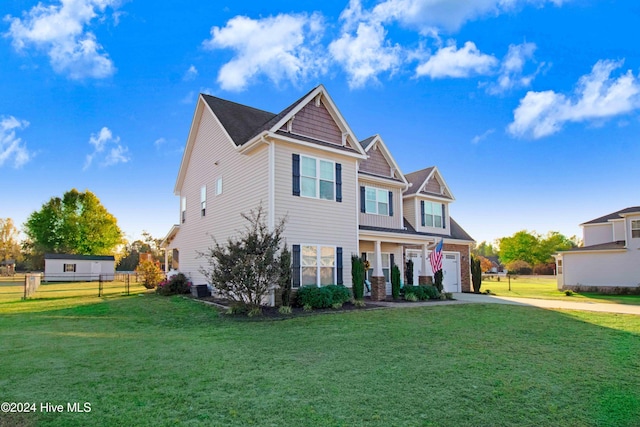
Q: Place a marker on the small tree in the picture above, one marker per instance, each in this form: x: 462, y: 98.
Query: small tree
x: 476, y: 273
x: 437, y: 280
x: 357, y: 277
x: 285, y: 276
x: 395, y: 282
x: 409, y: 272
x: 246, y: 268
x: 151, y: 274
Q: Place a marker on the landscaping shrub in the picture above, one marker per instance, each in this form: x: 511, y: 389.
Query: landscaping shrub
x: 357, y: 277
x: 177, y: 285
x: 545, y: 269
x: 409, y: 272
x: 151, y: 274
x: 322, y: 297
x: 519, y: 267
x: 395, y: 282
x: 285, y: 276
x: 437, y: 280
x: 476, y: 274
x: 421, y: 293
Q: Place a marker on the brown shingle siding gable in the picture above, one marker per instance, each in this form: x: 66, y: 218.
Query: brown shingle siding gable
x: 316, y: 122
x: 376, y: 164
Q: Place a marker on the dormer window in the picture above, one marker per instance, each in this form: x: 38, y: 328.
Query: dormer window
x: 432, y: 214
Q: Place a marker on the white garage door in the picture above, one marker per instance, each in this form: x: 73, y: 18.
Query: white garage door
x: 451, y: 272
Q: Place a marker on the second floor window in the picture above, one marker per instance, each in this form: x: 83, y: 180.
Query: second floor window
x: 203, y: 200
x: 317, y: 178
x: 432, y: 214
x: 377, y: 201
x: 183, y: 209
x: 635, y: 228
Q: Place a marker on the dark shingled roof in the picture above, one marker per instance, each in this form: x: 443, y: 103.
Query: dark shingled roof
x: 457, y: 232
x: 600, y: 247
x: 366, y: 142
x: 243, y: 122
x: 417, y: 178
x: 80, y: 257
x: 615, y: 215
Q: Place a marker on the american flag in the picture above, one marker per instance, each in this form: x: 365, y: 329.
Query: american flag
x: 436, y: 257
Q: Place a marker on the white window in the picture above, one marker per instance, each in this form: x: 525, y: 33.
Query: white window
x: 559, y: 266
x: 386, y: 265
x: 433, y: 214
x: 317, y: 178
x: 219, y: 186
x: 318, y: 265
x: 635, y: 228
x: 377, y: 201
x: 203, y: 200
x: 183, y: 209
x: 69, y: 268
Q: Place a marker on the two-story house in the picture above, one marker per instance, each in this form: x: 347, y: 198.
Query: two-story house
x: 341, y: 196
x: 610, y: 256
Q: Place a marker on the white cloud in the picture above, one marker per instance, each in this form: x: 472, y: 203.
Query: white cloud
x: 366, y: 54
x: 60, y: 30
x: 476, y: 139
x: 458, y: 63
x: 450, y: 15
x: 116, y: 153
x: 190, y: 74
x: 159, y: 142
x: 597, y: 96
x: 280, y: 47
x: 10, y: 145
x: 512, y: 69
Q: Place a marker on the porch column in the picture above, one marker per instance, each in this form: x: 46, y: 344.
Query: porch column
x: 423, y: 279
x: 166, y: 261
x: 378, y: 283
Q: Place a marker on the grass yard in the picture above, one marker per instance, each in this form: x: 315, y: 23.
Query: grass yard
x: 151, y: 360
x: 545, y: 287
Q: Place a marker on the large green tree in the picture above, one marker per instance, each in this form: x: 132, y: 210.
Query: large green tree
x: 533, y: 248
x: 77, y: 223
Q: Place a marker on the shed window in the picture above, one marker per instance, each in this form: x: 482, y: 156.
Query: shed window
x: 69, y: 268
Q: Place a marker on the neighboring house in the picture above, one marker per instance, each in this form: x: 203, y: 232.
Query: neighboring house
x: 610, y: 256
x: 341, y: 196
x: 8, y: 267
x: 78, y: 268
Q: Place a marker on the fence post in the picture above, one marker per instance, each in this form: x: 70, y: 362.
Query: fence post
x: 127, y: 284
x: 100, y: 285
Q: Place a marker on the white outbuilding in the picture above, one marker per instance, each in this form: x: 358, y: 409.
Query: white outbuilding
x: 78, y: 268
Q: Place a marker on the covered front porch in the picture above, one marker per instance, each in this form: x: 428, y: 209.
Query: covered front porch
x: 384, y: 250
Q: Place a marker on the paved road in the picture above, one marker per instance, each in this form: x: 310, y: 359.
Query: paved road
x: 552, y: 304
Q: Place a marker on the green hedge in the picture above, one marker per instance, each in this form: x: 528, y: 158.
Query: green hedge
x: 422, y: 292
x: 322, y: 297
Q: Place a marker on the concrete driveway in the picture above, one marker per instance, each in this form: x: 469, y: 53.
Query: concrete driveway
x: 548, y: 304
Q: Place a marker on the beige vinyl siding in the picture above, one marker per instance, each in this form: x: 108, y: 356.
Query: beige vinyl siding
x: 375, y: 220
x: 316, y: 122
x: 411, y: 211
x: 245, y: 185
x: 418, y: 220
x: 316, y: 221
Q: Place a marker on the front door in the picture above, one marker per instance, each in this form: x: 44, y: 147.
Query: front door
x: 95, y: 270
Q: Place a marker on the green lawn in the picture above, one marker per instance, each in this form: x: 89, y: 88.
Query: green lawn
x: 545, y: 287
x: 150, y: 360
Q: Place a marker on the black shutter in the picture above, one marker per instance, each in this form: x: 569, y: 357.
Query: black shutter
x: 363, y: 202
x: 443, y: 223
x: 392, y: 261
x: 338, y: 182
x: 390, y: 203
x: 296, y: 174
x: 422, y: 211
x: 339, y: 280
x: 296, y: 265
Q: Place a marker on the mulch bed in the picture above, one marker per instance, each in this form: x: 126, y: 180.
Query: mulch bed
x: 271, y: 313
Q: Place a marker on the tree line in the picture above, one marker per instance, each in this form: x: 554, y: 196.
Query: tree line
x: 525, y: 252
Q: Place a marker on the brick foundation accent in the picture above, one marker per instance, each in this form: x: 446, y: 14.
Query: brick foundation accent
x: 378, y: 288
x: 425, y: 280
x: 465, y: 264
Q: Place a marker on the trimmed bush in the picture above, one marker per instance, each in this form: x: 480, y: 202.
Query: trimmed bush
x: 177, y: 285
x: 395, y: 282
x: 422, y: 292
x: 409, y: 272
x: 322, y: 297
x: 476, y: 274
x: 357, y: 277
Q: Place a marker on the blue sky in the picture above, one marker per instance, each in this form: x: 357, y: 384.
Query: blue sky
x: 529, y: 108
